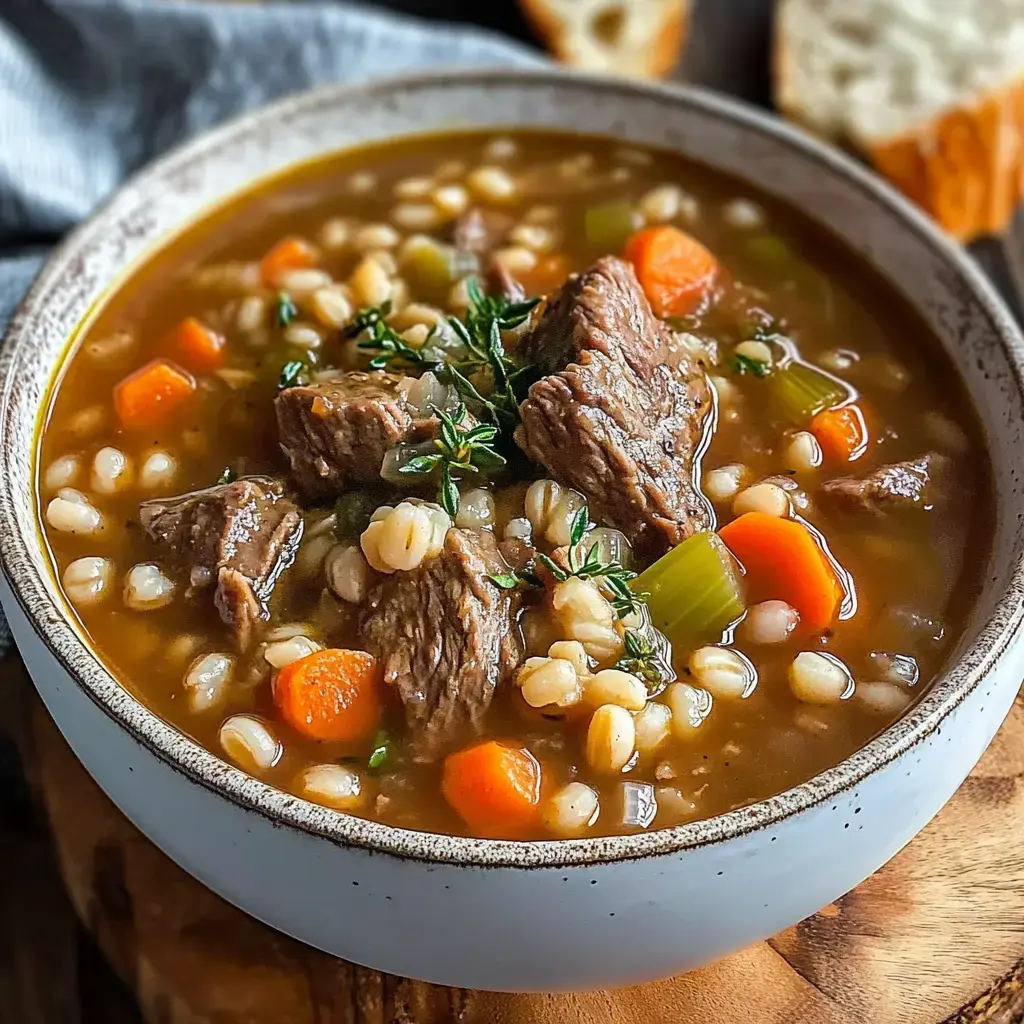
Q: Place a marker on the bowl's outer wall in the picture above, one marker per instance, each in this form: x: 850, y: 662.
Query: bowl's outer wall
x: 526, y: 916
x: 523, y: 929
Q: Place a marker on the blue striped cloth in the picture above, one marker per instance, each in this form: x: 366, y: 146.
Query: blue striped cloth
x: 90, y: 90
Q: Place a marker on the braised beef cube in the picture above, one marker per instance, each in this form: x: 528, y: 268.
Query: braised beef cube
x: 239, y: 536
x: 915, y: 483
x: 447, y: 638
x: 336, y: 433
x: 620, y: 417
x: 479, y: 231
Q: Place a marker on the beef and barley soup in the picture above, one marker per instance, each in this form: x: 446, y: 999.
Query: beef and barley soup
x: 515, y: 486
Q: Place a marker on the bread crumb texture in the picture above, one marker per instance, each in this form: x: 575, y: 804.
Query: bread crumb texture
x: 932, y: 91
x: 636, y: 38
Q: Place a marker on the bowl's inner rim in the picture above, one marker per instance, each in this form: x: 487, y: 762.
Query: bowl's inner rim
x: 43, y: 603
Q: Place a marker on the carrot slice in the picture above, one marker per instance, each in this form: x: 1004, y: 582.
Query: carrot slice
x: 331, y: 695
x: 197, y: 346
x: 842, y: 433
x: 549, y: 273
x: 783, y: 560
x: 289, y: 254
x: 151, y: 393
x: 493, y: 787
x: 676, y: 272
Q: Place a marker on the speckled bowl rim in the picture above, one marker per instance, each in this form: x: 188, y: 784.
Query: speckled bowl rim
x: 44, y: 607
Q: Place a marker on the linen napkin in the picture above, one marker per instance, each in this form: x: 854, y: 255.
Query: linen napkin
x: 90, y: 90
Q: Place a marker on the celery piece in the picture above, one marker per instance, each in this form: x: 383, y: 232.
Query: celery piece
x: 800, y: 391
x: 433, y: 268
x: 609, y: 224
x: 695, y: 590
x: 771, y: 253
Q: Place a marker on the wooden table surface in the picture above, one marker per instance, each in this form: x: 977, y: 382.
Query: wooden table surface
x: 98, y: 927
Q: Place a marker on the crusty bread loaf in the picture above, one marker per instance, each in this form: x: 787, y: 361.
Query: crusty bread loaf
x: 931, y: 91
x: 640, y: 38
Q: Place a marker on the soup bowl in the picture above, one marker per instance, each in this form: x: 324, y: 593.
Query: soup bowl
x: 501, y: 914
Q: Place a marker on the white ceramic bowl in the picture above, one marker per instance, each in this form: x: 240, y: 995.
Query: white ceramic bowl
x: 487, y: 914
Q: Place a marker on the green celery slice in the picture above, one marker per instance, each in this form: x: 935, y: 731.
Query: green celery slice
x: 695, y: 590
x: 800, y: 391
x: 609, y: 224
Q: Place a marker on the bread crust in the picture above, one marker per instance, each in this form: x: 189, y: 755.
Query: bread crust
x: 964, y: 166
x: 661, y: 52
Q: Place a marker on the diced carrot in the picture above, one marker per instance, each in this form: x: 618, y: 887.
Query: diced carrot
x: 842, y: 433
x: 783, y: 560
x: 493, y: 787
x: 198, y: 347
x: 152, y: 392
x: 289, y: 254
x: 331, y: 695
x: 549, y: 272
x: 676, y: 272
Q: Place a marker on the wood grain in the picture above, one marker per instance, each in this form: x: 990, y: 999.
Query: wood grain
x: 937, y: 935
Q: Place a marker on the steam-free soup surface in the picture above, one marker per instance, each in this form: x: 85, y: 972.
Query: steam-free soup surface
x: 330, y: 493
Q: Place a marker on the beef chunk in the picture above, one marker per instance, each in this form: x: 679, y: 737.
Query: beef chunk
x: 620, y: 415
x: 241, y: 536
x: 447, y: 638
x: 480, y: 231
x: 338, y: 432
x: 915, y: 483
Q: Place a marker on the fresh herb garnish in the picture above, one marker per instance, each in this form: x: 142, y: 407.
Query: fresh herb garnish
x: 504, y: 580
x: 614, y: 576
x: 291, y: 374
x: 512, y: 579
x: 382, y: 749
x: 285, y: 309
x: 384, y: 339
x: 227, y: 476
x: 479, y: 331
x: 458, y: 452
x: 745, y: 364
x: 498, y: 383
x: 643, y: 659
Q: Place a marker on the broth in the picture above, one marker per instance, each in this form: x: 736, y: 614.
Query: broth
x: 908, y: 574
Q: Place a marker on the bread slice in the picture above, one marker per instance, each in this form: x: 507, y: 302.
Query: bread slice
x: 639, y: 38
x: 931, y: 91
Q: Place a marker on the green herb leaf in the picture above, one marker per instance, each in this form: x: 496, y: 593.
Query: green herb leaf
x: 578, y: 529
x: 449, y: 493
x: 644, y: 658
x: 291, y: 374
x: 421, y: 465
x: 227, y: 476
x: 504, y: 580
x: 744, y: 364
x: 381, y: 750
x: 385, y: 340
x: 285, y: 309
x: 553, y: 567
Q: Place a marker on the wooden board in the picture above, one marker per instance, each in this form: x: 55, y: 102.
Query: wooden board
x: 937, y: 935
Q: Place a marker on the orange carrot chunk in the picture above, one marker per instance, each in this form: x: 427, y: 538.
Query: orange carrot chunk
x: 151, y: 393
x: 331, y: 695
x: 676, y: 272
x: 783, y: 560
x: 842, y: 433
x: 289, y: 254
x: 198, y: 347
x: 493, y: 787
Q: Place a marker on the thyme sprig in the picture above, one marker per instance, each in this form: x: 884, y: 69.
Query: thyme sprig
x: 643, y: 658
x: 458, y: 452
x: 383, y: 339
x: 614, y: 576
